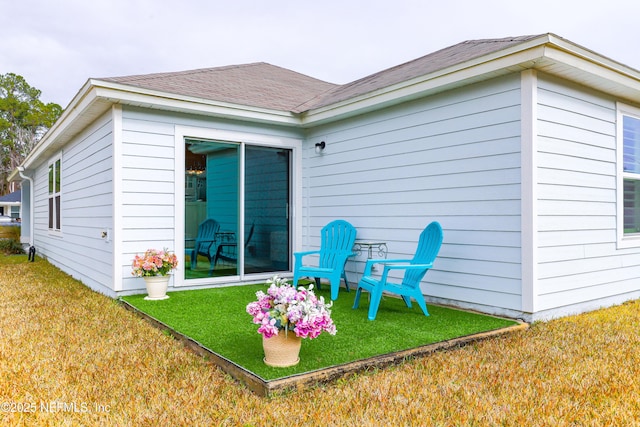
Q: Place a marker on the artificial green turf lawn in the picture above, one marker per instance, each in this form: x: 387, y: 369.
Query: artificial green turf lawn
x: 216, y: 318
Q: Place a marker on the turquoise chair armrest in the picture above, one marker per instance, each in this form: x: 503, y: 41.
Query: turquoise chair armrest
x: 393, y: 261
x: 370, y: 262
x: 387, y: 268
x: 305, y: 253
x: 408, y: 266
x: 299, y: 255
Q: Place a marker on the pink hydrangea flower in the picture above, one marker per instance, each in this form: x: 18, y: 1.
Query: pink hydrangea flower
x: 154, y: 263
x: 285, y: 307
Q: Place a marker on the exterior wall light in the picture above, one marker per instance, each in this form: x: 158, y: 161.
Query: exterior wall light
x: 319, y: 147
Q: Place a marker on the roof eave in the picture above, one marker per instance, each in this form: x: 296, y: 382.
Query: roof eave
x: 147, y: 98
x: 584, y: 67
x: 98, y: 96
x: 547, y: 53
x: 458, y: 75
x: 58, y: 134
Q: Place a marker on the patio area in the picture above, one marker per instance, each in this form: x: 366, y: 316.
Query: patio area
x: 214, y: 324
x: 63, y: 342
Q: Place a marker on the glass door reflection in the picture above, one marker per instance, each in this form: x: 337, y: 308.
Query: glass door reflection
x: 215, y: 196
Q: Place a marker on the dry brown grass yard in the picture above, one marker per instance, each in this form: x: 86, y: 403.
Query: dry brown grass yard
x: 69, y: 356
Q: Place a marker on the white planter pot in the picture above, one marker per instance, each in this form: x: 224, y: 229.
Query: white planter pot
x: 156, y: 287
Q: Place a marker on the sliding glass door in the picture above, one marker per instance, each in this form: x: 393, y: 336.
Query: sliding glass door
x: 237, y: 202
x: 266, y: 209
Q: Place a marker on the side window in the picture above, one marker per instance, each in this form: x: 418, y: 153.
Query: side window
x: 54, y: 193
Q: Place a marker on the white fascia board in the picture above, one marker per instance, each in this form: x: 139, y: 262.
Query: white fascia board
x: 14, y: 176
x: 590, y: 56
x: 603, y: 74
x: 130, y: 95
x: 80, y: 103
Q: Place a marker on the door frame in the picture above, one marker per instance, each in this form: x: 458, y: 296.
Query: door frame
x: 245, y: 138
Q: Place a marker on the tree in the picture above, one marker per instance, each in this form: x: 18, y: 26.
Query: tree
x: 24, y: 119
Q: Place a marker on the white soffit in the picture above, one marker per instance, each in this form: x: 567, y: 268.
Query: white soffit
x: 146, y: 98
x: 594, y: 73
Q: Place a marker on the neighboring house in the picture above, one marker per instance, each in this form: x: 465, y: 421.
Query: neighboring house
x: 10, y: 204
x: 525, y: 149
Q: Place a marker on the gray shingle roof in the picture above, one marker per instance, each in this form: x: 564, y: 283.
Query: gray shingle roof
x: 257, y: 85
x: 268, y: 86
x: 422, y: 66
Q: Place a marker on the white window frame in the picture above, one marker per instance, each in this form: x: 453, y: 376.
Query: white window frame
x: 623, y: 240
x: 54, y: 198
x: 184, y: 132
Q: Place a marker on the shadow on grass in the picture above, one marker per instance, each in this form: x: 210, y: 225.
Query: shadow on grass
x: 215, y: 320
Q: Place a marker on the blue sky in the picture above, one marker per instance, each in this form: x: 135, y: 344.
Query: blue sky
x: 57, y: 45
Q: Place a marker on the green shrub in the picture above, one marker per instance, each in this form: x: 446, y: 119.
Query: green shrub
x: 11, y: 246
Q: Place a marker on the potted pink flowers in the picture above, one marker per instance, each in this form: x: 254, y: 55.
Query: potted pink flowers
x: 154, y: 267
x: 286, y: 315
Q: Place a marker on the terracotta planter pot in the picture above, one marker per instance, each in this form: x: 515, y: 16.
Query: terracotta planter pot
x: 156, y: 287
x: 282, y: 350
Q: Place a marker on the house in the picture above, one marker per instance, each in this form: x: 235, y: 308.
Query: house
x: 10, y: 204
x: 523, y: 148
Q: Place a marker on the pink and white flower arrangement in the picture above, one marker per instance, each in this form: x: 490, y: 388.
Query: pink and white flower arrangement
x: 283, y: 307
x: 154, y: 263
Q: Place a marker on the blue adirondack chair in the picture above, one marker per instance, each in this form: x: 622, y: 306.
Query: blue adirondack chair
x: 206, y: 243
x: 414, y: 270
x: 336, y: 245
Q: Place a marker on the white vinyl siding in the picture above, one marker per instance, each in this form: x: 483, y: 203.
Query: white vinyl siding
x: 578, y: 256
x: 452, y: 158
x: 149, y: 207
x: 147, y: 199
x: 86, y: 208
